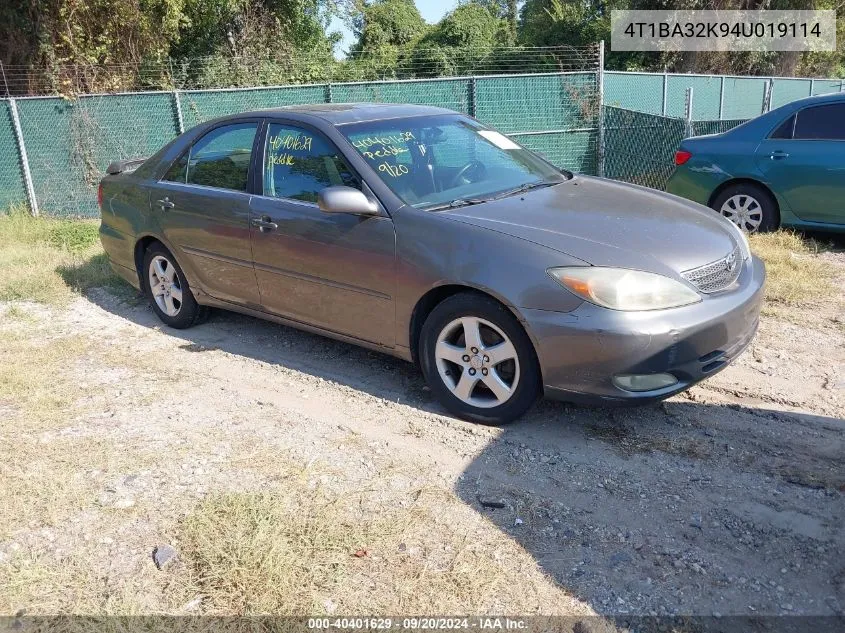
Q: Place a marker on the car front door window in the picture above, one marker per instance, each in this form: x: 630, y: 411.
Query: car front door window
x: 299, y: 163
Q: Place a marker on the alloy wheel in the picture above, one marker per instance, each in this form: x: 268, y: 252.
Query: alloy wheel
x: 744, y: 211
x: 165, y: 286
x: 477, y: 362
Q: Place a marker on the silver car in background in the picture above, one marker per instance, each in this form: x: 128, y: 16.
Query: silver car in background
x: 421, y: 233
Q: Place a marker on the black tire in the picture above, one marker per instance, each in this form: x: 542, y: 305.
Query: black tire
x: 768, y: 206
x: 471, y: 304
x: 189, y: 313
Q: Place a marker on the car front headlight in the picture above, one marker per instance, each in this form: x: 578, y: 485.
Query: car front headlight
x: 622, y: 289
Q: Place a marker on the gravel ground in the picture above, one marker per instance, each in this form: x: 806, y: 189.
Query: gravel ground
x: 725, y: 500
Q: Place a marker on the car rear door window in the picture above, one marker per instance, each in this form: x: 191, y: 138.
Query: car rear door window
x: 299, y: 163
x: 219, y: 159
x: 821, y: 122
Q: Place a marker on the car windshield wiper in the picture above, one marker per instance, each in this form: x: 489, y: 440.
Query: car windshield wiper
x: 526, y: 187
x: 459, y: 202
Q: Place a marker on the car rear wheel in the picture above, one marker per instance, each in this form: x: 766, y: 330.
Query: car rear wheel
x: 478, y: 360
x: 168, y: 291
x: 750, y: 207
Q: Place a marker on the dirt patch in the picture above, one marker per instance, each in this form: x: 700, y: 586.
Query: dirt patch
x: 238, y: 436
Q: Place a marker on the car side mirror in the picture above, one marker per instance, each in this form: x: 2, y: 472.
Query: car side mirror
x: 342, y: 199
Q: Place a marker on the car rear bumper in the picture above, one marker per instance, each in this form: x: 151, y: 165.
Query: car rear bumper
x: 580, y: 352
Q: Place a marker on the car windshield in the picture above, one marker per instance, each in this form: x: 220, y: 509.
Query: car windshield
x: 433, y: 162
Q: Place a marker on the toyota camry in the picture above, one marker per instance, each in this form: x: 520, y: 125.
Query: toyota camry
x: 422, y: 233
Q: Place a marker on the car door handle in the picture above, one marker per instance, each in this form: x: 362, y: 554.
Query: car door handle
x: 165, y: 204
x: 777, y: 155
x: 264, y: 224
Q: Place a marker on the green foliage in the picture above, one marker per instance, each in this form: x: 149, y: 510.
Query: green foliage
x: 468, y: 26
x: 388, y: 23
x: 142, y: 39
x: 563, y: 22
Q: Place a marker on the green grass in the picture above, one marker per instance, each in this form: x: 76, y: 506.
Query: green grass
x: 49, y: 260
x: 797, y: 276
x: 297, y: 550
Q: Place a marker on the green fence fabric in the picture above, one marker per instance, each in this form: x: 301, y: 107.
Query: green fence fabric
x: 521, y: 103
x: 203, y: 105
x: 640, y: 147
x: 575, y: 151
x: 787, y: 90
x: 713, y: 127
x: 826, y: 86
x: 446, y: 93
x: 70, y: 142
x: 706, y: 93
x: 634, y: 91
x: 12, y: 187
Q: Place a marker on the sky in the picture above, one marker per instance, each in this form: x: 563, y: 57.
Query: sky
x: 431, y: 10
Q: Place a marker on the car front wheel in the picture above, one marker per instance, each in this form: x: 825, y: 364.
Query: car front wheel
x: 478, y: 360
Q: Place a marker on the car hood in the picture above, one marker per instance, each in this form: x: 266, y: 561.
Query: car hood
x: 607, y: 223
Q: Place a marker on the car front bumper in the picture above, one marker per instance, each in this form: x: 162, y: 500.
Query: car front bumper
x: 581, y: 351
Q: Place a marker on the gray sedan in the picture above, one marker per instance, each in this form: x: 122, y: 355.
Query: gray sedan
x: 421, y: 233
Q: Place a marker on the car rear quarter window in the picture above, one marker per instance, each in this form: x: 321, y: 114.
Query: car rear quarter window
x: 784, y: 130
x: 219, y: 159
x: 821, y: 122
x: 299, y: 163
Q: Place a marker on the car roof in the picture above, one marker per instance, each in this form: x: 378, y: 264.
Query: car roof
x: 343, y: 113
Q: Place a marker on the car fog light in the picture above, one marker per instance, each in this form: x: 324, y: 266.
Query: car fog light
x: 644, y: 382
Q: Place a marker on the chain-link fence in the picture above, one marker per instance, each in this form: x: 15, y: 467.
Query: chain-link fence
x: 640, y: 147
x: 55, y: 149
x: 717, y: 97
x: 70, y: 141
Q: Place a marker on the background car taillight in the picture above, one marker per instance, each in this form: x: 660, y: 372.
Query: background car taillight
x: 100, y: 195
x: 682, y: 156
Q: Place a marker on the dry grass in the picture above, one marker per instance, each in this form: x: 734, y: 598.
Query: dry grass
x: 796, y: 276
x: 48, y: 259
x: 300, y: 550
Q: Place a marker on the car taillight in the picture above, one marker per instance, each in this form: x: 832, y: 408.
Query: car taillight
x: 682, y: 156
x: 100, y: 195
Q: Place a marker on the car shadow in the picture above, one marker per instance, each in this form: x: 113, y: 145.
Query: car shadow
x: 684, y: 507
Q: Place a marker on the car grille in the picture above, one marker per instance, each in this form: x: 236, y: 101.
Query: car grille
x: 717, y: 275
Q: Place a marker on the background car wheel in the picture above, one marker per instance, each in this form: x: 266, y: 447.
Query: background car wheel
x: 478, y: 360
x: 167, y: 290
x: 750, y: 207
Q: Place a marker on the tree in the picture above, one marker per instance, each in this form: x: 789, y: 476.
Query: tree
x: 387, y: 24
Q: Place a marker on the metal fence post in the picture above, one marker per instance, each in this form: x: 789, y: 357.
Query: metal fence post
x: 177, y: 102
x: 722, y: 99
x: 767, y: 95
x: 812, y: 87
x: 842, y: 85
x: 329, y: 95
x: 600, y: 122
x: 5, y: 83
x: 472, y: 106
x: 665, y: 91
x: 27, y: 174
x: 688, y: 112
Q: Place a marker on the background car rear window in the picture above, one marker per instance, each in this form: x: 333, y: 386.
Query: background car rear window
x: 299, y: 163
x: 219, y: 159
x: 821, y: 122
